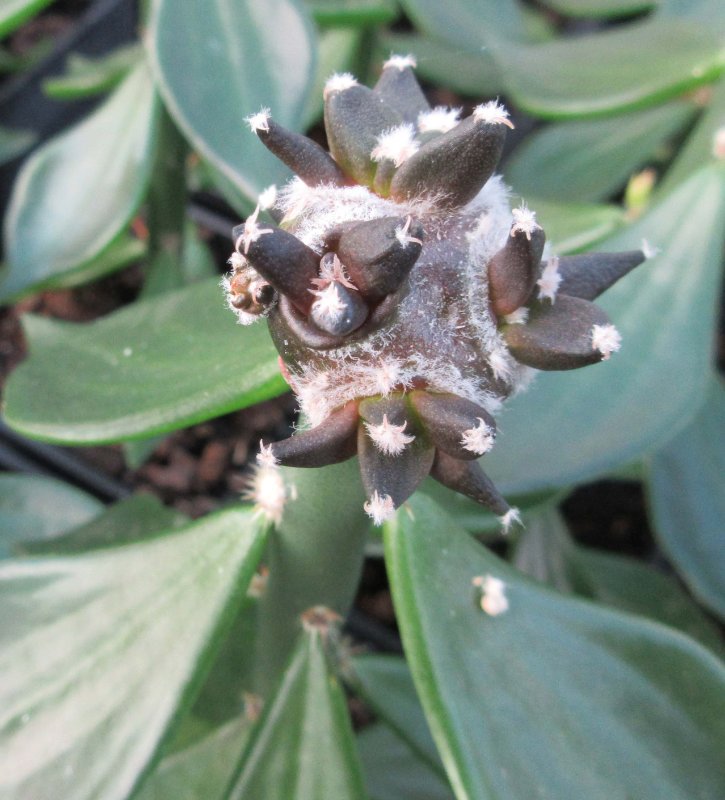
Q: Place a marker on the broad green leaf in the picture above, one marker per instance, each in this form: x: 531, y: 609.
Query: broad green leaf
x: 393, y: 771
x: 130, y: 520
x: 339, y: 50
x: 202, y: 770
x: 14, y: 12
x: 33, y: 506
x: 593, y: 703
x: 386, y: 685
x: 14, y: 142
x: 467, y: 23
x: 593, y: 9
x: 471, y: 72
x: 218, y: 62
x: 151, y: 367
x: 85, y: 77
x: 315, y: 557
x: 687, y: 498
x: 699, y: 148
x: 101, y: 652
x: 76, y: 194
x: 571, y: 227
x: 572, y: 426
x: 589, y: 160
x: 546, y: 552
x: 618, y: 69
x: 303, y: 746
x: 353, y: 13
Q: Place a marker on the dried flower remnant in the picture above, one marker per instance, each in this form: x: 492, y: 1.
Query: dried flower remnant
x: 406, y: 298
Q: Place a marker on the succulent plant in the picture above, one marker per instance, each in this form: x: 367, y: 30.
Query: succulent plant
x: 405, y: 297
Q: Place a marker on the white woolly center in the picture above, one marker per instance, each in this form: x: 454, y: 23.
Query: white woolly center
x: 379, y: 508
x: 388, y: 438
x: 493, y: 594
x: 259, y: 121
x: 401, y: 62
x: 396, y: 144
x: 338, y: 83
x: 606, y: 339
x: 492, y: 112
x: 550, y: 280
x: 478, y: 440
x: 439, y: 119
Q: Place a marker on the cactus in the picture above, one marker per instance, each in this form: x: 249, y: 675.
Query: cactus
x: 405, y: 297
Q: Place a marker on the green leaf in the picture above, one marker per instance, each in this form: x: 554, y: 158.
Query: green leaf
x: 393, y: 771
x: 149, y: 368
x: 76, y: 194
x: 353, y: 13
x: 597, y: 703
x: 86, y: 77
x: 594, y: 9
x: 202, y: 770
x: 589, y: 160
x: 387, y: 687
x: 466, y: 23
x: 14, y: 12
x: 699, y: 147
x: 14, y: 142
x: 220, y: 61
x: 130, y: 520
x: 572, y: 426
x: 618, y: 69
x: 102, y: 652
x: 469, y: 72
x: 303, y: 747
x: 687, y: 499
x: 33, y: 506
x: 546, y: 552
x: 571, y: 227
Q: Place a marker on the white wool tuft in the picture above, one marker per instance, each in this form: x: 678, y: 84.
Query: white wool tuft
x: 268, y: 492
x: 492, y: 112
x: 500, y: 363
x: 518, y: 317
x: 396, y: 144
x: 718, y: 144
x: 478, y: 440
x: 252, y: 232
x: 388, y: 438
x: 403, y: 236
x: 606, y: 339
x: 509, y: 519
x: 329, y: 307
x: 379, y: 508
x: 265, y: 456
x: 237, y: 261
x: 401, y: 62
x: 550, y: 280
x: 649, y: 250
x: 524, y: 220
x: 259, y: 121
x: 338, y: 83
x: 268, y: 198
x: 439, y: 119
x: 493, y: 594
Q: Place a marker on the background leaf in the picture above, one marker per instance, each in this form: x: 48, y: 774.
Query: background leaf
x: 687, y: 498
x: 353, y: 13
x: 152, y: 367
x: 546, y: 552
x: 14, y: 142
x: 602, y: 704
x: 572, y: 227
x: 100, y: 169
x: 33, y: 506
x: 586, y: 422
x: 14, y: 12
x: 621, y: 68
x: 588, y: 160
x: 101, y: 652
x: 302, y: 747
x: 86, y: 77
x: 599, y: 8
x: 220, y: 61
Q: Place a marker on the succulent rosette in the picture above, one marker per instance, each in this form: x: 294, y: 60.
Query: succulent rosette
x: 406, y: 298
